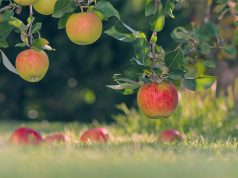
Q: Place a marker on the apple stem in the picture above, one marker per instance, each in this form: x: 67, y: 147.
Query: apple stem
x: 30, y: 27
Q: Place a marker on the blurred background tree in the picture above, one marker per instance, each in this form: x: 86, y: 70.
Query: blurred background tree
x: 74, y: 87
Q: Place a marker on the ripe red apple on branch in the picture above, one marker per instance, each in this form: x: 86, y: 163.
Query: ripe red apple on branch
x: 32, y: 64
x: 25, y: 136
x: 84, y: 28
x: 157, y: 100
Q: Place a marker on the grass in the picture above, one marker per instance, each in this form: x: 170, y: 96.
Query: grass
x: 210, y: 149
x: 125, y: 156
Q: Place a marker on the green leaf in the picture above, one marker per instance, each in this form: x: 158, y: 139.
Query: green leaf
x: 5, y: 30
x: 180, y: 35
x: 212, y: 29
x: 200, y: 83
x: 205, y: 48
x: 3, y: 44
x: 63, y: 7
x: 7, y: 15
x: 204, y: 82
x: 107, y: 9
x: 174, y: 59
x: 63, y: 20
x: 176, y: 74
x: 141, y: 48
x: 17, y: 23
x: 125, y: 37
x: 39, y: 43
x: 21, y: 45
x: 189, y: 84
x: 157, y: 23
x: 169, y: 8
x: 230, y: 50
x: 8, y: 64
x: 36, y: 27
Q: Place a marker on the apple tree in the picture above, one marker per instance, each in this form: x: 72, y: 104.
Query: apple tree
x: 152, y: 68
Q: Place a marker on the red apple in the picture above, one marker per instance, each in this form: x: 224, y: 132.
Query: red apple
x: 25, y: 136
x: 57, y: 137
x: 32, y: 64
x: 95, y: 135
x: 170, y: 135
x: 157, y: 100
x: 84, y: 28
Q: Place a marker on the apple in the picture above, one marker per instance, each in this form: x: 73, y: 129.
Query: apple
x: 170, y: 135
x: 157, y: 100
x: 45, y: 7
x: 57, y: 137
x: 25, y: 2
x: 25, y: 135
x: 84, y: 28
x: 32, y: 65
x: 95, y: 135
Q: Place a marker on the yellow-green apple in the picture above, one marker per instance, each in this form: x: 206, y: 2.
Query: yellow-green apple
x: 32, y: 64
x: 25, y: 2
x: 44, y: 7
x: 170, y: 135
x: 95, y: 135
x: 57, y: 137
x: 25, y: 135
x: 157, y: 100
x: 84, y: 28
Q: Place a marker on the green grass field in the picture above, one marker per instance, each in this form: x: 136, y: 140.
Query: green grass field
x: 125, y: 156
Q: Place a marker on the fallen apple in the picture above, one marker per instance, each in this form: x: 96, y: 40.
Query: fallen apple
x: 57, y: 137
x: 95, y: 135
x: 25, y: 136
x: 170, y: 135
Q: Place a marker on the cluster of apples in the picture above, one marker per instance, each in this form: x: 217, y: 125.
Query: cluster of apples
x: 81, y: 28
x: 28, y: 136
x: 25, y: 136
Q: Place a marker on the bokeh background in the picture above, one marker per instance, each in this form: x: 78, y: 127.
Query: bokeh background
x: 74, y: 88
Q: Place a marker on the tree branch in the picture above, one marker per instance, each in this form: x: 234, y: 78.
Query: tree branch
x: 6, y: 8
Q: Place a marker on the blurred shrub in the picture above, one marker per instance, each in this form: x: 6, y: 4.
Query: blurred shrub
x: 197, y: 114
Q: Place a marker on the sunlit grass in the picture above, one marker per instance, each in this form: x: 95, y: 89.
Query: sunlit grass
x: 209, y: 150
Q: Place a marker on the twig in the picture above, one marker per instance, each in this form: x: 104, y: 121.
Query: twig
x: 6, y: 8
x: 30, y: 27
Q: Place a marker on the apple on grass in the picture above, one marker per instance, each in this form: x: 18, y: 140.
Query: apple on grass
x: 25, y: 136
x: 84, y: 28
x: 55, y: 138
x: 170, y: 135
x: 95, y: 135
x: 157, y: 100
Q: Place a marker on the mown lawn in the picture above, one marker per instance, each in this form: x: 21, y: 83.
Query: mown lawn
x: 124, y: 156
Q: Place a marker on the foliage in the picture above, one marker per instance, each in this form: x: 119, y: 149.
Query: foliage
x: 197, y: 115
